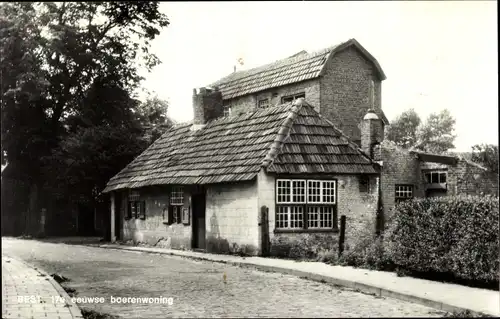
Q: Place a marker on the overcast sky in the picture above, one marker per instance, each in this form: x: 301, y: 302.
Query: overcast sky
x: 436, y: 55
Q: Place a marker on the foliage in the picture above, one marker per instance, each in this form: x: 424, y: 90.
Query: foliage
x: 403, y: 130
x: 486, y: 155
x: 69, y: 75
x: 450, y: 235
x: 435, y: 135
x: 305, y: 246
x: 367, y: 252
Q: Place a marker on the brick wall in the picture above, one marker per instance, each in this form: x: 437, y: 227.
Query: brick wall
x: 399, y: 167
x: 345, y: 90
x: 358, y: 205
x: 232, y: 218
x: 153, y: 230
x: 248, y: 103
x: 466, y: 178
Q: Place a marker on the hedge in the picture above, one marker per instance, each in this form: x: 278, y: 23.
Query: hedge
x: 456, y: 235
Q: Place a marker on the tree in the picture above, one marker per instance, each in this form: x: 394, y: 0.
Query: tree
x: 54, y: 56
x: 153, y: 114
x: 403, y: 130
x: 486, y: 155
x: 436, y: 135
x: 53, y: 52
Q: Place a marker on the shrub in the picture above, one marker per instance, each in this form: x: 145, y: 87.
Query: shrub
x: 367, y: 251
x: 455, y: 235
x: 304, y: 246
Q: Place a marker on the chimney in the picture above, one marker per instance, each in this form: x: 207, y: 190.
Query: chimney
x: 207, y: 105
x: 372, y: 129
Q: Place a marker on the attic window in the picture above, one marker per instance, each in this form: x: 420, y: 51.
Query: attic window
x: 291, y: 98
x: 227, y: 110
x: 263, y: 104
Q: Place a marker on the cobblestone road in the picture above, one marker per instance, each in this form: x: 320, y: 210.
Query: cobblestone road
x: 197, y: 287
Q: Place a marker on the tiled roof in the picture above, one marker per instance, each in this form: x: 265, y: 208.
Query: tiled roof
x: 297, y: 68
x: 287, y: 138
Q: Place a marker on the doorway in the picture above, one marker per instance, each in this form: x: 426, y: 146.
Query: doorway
x: 198, y: 203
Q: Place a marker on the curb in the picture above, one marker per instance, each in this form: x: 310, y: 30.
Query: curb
x: 73, y: 308
x: 361, y: 287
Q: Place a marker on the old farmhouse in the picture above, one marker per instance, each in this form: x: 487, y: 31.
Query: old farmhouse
x: 276, y: 154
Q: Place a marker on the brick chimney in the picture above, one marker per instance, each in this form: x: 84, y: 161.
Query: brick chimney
x: 372, y: 127
x: 207, y: 105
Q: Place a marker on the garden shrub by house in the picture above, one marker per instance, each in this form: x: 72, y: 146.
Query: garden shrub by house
x: 456, y: 235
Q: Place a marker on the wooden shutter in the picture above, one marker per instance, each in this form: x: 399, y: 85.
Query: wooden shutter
x: 185, y: 216
x: 128, y: 215
x: 143, y: 210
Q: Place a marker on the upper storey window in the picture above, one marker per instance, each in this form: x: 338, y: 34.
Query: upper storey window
x: 291, y: 98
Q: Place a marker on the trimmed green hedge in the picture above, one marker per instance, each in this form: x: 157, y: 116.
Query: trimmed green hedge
x: 457, y: 235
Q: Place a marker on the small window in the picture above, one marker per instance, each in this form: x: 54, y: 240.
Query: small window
x: 226, y: 111
x: 263, y: 104
x: 177, y: 196
x: 364, y: 184
x: 436, y: 177
x: 176, y: 205
x: 404, y: 192
x: 135, y: 208
x: 291, y: 98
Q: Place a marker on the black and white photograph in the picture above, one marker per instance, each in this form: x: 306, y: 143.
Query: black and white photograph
x: 241, y: 159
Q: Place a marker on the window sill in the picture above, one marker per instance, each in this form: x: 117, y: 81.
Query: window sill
x: 292, y: 231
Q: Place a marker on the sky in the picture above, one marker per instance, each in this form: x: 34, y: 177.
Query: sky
x: 436, y: 55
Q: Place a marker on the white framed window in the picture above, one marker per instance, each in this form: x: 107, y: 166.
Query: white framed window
x: 177, y: 196
x: 436, y: 177
x: 320, y: 216
x: 321, y: 192
x: 226, y: 110
x: 264, y: 103
x: 403, y: 192
x: 290, y: 191
x: 306, y: 204
x: 290, y: 217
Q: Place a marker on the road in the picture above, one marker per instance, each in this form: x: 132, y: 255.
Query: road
x: 197, y: 287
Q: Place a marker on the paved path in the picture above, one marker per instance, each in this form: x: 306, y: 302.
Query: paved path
x: 197, y: 287
x: 442, y: 296
x: 31, y: 293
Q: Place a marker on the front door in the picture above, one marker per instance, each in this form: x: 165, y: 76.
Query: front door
x: 198, y: 209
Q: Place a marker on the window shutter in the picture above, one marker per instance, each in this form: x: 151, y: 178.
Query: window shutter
x: 136, y: 209
x: 143, y: 210
x: 129, y: 210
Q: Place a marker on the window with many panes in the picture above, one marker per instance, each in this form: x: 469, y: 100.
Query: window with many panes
x: 404, y: 192
x: 135, y: 208
x: 436, y: 177
x: 306, y: 204
x: 264, y: 103
x: 291, y: 98
x: 176, y: 205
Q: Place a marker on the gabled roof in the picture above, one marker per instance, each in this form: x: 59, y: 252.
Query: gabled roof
x: 288, y: 138
x: 299, y: 67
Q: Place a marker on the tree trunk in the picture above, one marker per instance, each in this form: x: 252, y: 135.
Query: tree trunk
x: 33, y: 220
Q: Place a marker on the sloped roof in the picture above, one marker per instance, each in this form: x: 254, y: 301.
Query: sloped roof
x: 288, y: 138
x: 297, y: 68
